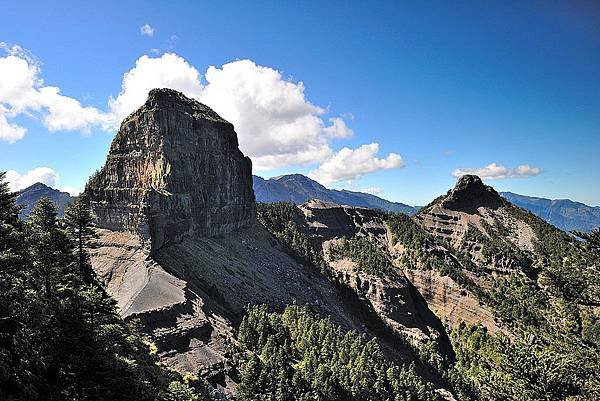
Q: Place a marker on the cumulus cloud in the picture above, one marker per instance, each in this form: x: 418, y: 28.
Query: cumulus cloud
x: 495, y: 171
x: 45, y: 175
x: 147, y: 30
x: 166, y: 71
x: 22, y: 92
x: 276, y: 125
x: 73, y: 191
x: 10, y: 133
x: 338, y: 129
x: 353, y: 164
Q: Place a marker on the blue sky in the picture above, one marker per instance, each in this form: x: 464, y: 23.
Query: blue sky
x: 445, y: 86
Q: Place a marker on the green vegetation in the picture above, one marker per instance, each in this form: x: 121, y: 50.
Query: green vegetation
x: 554, y: 354
x: 367, y: 256
x: 527, y: 367
x: 551, y: 310
x: 422, y: 250
x: 416, y: 242
x: 60, y: 335
x: 297, y: 355
x: 281, y: 220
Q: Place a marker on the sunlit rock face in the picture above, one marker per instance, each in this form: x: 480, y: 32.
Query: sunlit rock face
x: 174, y: 169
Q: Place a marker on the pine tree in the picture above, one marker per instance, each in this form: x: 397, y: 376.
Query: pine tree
x: 79, y: 223
x: 592, y: 238
x: 50, y: 247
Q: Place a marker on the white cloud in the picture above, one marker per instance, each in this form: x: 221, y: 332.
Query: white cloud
x: 338, y: 129
x: 147, y: 30
x: 166, y: 71
x: 276, y: 125
x: 45, y: 175
x: 22, y: 92
x: 495, y: 171
x: 10, y: 133
x: 352, y: 164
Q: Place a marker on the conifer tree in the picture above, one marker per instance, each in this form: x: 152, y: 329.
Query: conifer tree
x: 79, y: 223
x: 50, y: 247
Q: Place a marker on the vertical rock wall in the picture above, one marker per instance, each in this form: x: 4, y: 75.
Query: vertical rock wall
x: 174, y: 169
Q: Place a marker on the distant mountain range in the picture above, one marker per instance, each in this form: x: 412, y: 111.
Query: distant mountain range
x: 298, y: 188
x: 29, y: 196
x: 562, y: 213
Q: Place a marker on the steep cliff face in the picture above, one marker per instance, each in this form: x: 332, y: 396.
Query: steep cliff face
x: 174, y: 169
x: 327, y: 220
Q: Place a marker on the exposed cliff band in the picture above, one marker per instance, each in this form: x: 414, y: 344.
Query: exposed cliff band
x: 174, y: 169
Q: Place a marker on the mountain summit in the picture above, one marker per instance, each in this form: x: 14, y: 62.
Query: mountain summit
x: 470, y: 193
x: 29, y: 196
x: 180, y: 247
x: 173, y: 169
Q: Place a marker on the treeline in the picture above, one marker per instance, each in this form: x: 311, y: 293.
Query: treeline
x: 61, y: 337
x: 297, y: 355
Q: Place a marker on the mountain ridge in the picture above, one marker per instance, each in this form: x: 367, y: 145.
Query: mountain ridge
x: 565, y: 214
x: 298, y: 188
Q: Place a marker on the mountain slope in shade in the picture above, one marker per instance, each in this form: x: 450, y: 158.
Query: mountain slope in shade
x: 29, y: 196
x: 298, y: 189
x: 562, y: 213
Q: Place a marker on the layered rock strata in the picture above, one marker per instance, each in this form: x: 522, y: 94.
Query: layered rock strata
x: 174, y: 169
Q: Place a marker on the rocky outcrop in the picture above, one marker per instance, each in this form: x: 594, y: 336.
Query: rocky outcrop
x: 474, y: 218
x: 470, y: 194
x: 452, y: 303
x: 389, y: 295
x: 174, y: 169
x: 324, y: 221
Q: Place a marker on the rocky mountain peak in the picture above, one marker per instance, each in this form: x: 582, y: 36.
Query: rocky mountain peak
x: 470, y: 193
x: 174, y: 169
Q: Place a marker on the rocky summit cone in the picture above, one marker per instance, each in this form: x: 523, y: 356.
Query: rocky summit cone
x: 174, y: 169
x: 471, y: 193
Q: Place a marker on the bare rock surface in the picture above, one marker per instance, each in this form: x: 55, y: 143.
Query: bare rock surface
x: 389, y: 294
x: 174, y: 169
x: 473, y: 205
x: 452, y: 303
